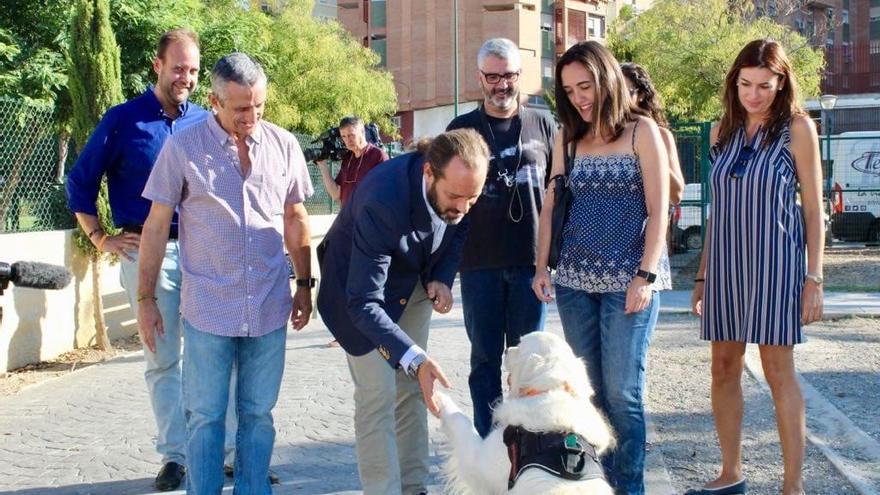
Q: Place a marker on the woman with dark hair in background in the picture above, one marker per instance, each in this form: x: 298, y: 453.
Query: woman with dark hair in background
x: 758, y: 282
x: 612, y: 261
x: 644, y: 96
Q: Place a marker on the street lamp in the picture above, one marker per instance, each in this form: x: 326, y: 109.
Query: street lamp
x: 827, y: 103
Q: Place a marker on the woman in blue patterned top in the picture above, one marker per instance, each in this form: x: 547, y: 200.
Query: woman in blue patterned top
x: 612, y: 261
x: 754, y: 284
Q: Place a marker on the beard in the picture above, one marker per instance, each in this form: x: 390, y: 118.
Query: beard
x: 178, y: 97
x: 501, y: 98
x: 449, y: 216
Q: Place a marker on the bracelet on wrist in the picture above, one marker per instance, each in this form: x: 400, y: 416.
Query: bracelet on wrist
x: 92, y: 233
x: 144, y: 297
x: 699, y: 280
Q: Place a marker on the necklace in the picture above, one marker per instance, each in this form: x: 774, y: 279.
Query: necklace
x: 505, y: 175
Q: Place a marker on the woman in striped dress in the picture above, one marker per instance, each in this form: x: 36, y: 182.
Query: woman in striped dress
x: 760, y: 277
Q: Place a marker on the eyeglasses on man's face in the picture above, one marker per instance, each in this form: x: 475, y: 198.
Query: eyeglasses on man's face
x: 493, y: 78
x: 739, y: 167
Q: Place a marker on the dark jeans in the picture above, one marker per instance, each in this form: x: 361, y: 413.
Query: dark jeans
x: 499, y: 308
x: 614, y: 346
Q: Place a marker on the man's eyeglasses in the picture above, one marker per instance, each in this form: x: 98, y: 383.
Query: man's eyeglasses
x: 493, y: 78
x: 739, y: 168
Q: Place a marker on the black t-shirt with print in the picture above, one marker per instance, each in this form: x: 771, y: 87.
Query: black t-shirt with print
x: 504, y: 222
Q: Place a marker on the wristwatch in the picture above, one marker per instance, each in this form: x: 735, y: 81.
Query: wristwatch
x: 306, y: 282
x: 816, y: 279
x: 650, y: 277
x: 413, y: 369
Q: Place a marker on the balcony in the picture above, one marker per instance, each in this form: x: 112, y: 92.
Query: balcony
x: 852, y: 70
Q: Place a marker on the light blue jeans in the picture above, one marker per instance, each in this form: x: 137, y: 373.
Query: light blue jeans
x: 162, y: 372
x: 207, y: 367
x: 615, y: 348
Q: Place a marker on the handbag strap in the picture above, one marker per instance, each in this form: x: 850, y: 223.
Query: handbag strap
x: 568, y: 156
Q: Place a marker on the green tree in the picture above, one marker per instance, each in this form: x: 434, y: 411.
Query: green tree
x: 95, y: 85
x: 322, y: 74
x: 688, y: 47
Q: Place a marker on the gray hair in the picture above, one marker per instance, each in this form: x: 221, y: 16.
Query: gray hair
x: 236, y: 67
x: 351, y: 121
x: 501, y: 48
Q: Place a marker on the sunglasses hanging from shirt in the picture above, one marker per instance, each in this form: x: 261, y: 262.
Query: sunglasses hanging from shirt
x: 505, y: 175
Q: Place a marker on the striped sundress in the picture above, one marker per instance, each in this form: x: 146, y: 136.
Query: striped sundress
x: 756, y: 260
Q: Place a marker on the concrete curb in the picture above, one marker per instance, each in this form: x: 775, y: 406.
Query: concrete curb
x: 825, y: 423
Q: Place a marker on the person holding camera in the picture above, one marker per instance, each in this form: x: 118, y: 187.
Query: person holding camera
x: 360, y: 159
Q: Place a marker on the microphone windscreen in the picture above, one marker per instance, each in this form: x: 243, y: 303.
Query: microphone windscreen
x: 39, y: 275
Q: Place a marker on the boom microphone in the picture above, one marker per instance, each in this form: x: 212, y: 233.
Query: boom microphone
x: 34, y: 275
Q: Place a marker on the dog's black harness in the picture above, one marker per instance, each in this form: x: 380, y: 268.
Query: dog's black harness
x: 563, y: 454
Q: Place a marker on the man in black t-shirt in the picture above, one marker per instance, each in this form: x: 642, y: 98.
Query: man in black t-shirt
x: 499, y: 257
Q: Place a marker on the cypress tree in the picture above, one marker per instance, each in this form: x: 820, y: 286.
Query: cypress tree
x: 95, y: 85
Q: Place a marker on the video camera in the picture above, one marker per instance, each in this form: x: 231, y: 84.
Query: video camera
x: 331, y: 145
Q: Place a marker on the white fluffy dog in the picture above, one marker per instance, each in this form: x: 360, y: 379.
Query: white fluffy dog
x: 549, y: 392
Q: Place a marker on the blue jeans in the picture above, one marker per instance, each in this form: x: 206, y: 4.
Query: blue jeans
x: 615, y: 348
x: 499, y: 308
x: 163, y: 370
x: 207, y: 367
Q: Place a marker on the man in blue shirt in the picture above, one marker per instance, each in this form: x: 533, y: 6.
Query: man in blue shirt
x: 123, y: 148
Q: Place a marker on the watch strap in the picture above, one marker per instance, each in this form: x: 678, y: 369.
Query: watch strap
x: 650, y: 277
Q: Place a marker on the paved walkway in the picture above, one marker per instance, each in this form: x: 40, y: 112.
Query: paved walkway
x: 91, y: 432
x: 837, y: 304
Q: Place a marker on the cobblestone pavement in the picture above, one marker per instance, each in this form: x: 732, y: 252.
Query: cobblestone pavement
x: 91, y: 432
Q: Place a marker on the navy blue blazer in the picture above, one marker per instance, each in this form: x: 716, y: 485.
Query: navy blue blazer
x: 376, y: 252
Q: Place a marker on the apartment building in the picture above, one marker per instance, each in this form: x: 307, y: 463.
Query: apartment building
x: 416, y: 39
x: 849, y: 32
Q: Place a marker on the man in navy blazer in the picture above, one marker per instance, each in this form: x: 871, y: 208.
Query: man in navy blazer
x: 389, y: 259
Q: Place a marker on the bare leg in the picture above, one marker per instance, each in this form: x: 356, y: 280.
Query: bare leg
x: 778, y: 364
x: 727, y: 408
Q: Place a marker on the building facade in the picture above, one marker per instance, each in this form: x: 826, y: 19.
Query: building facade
x: 416, y: 38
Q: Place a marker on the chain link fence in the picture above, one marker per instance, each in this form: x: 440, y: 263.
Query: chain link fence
x: 32, y: 160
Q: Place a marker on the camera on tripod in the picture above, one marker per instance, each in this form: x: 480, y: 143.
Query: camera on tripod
x: 330, y: 145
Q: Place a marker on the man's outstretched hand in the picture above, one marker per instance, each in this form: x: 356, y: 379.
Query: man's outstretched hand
x: 428, y: 372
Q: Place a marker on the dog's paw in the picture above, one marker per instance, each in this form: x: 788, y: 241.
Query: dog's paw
x: 447, y: 405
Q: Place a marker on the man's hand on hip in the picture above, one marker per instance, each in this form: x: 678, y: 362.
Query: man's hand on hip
x: 428, y: 372
x: 149, y: 323
x: 440, y: 294
x: 120, y: 244
x: 302, y: 307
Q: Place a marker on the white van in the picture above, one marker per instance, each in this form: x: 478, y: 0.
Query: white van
x: 855, y: 186
x: 687, y: 222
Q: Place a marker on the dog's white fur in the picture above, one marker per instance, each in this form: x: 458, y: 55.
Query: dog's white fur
x: 542, y: 363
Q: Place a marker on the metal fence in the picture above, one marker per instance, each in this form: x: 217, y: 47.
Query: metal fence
x: 32, y: 194
x: 34, y: 159
x: 851, y: 187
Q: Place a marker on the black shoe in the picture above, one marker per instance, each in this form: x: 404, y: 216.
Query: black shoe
x: 169, y: 477
x: 738, y: 488
x: 230, y: 473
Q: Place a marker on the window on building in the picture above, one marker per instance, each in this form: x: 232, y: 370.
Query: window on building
x: 577, y: 26
x: 597, y: 26
x: 378, y: 45
x: 547, y: 45
x: 874, y: 28
x: 377, y: 13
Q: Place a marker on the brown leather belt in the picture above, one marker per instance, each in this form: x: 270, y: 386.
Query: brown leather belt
x: 137, y: 229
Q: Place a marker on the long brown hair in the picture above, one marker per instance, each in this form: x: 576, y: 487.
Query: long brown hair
x: 648, y: 100
x: 611, y: 108
x: 766, y: 54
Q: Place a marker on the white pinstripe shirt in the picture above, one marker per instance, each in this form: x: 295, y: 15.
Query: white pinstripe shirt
x: 235, y: 276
